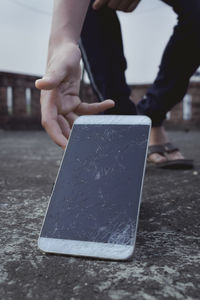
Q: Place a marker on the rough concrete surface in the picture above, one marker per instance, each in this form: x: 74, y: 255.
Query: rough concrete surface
x: 166, y: 262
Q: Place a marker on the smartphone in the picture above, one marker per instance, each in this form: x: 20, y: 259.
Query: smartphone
x: 94, y: 206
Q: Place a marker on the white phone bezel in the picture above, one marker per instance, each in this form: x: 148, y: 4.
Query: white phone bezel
x: 95, y: 249
x: 112, y: 119
x: 85, y: 248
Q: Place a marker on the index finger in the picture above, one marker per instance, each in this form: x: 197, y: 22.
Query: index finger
x: 94, y: 108
x: 99, y: 3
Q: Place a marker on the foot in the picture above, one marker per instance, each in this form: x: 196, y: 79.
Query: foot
x: 159, y: 136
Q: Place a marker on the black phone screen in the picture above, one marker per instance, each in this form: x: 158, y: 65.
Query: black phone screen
x: 97, y: 192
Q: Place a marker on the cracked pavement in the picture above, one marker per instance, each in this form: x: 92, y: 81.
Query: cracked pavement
x: 166, y: 260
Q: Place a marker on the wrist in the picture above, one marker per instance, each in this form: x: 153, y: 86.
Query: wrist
x: 60, y: 46
x: 63, y: 55
x: 58, y: 39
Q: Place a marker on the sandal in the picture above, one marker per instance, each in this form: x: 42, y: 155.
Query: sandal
x: 163, y: 150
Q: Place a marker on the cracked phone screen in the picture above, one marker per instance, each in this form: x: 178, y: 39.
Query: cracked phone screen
x: 97, y: 193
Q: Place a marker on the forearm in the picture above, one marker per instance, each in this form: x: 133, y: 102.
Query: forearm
x: 67, y: 20
x: 60, y: 102
x: 63, y: 51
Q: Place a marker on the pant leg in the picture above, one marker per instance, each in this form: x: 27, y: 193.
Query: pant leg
x: 102, y: 52
x: 180, y: 60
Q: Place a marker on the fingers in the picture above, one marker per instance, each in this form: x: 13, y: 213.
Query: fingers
x: 123, y: 5
x: 54, y: 131
x: 133, y: 6
x: 99, y: 3
x: 71, y: 118
x: 50, y: 119
x: 94, y: 108
x: 115, y: 4
x: 64, y: 125
x: 58, y: 127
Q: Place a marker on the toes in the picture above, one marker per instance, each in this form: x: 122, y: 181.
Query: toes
x: 175, y: 155
x: 157, y: 158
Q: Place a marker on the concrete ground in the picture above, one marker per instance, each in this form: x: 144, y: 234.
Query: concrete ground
x: 166, y: 262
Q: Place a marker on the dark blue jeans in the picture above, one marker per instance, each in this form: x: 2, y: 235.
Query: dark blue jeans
x: 103, y: 56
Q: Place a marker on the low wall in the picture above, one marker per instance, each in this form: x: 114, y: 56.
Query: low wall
x: 184, y: 115
x: 20, y: 103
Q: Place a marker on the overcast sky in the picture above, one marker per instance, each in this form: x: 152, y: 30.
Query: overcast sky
x: 25, y: 25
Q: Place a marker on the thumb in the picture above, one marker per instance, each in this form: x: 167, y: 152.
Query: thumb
x: 53, y: 77
x: 47, y: 83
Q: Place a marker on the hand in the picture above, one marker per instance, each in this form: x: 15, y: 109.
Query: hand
x: 123, y: 5
x: 60, y: 102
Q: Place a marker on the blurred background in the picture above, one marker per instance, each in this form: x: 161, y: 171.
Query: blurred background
x: 25, y: 27
x: 24, y: 31
x: 166, y: 262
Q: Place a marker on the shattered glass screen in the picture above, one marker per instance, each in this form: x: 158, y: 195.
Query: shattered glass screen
x: 97, y: 193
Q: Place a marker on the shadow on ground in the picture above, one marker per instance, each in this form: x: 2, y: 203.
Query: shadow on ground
x: 166, y: 261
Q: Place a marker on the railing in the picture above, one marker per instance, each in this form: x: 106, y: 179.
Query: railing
x: 184, y: 115
x: 19, y: 102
